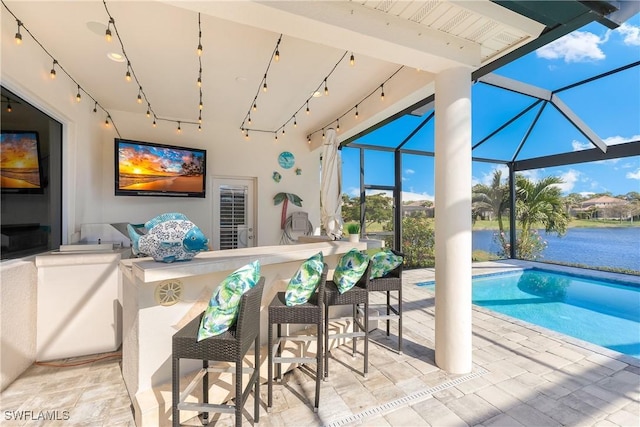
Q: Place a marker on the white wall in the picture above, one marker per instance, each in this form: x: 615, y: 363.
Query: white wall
x: 17, y: 318
x: 88, y: 177
x: 88, y: 171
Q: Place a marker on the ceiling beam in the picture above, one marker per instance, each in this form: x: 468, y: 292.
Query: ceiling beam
x: 578, y: 123
x: 350, y: 26
x: 616, y: 151
x: 516, y: 86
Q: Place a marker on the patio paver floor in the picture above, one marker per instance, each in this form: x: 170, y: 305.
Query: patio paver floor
x: 522, y: 375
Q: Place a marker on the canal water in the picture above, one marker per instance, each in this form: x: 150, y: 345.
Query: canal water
x: 595, y: 247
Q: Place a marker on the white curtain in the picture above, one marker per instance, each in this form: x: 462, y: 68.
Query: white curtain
x: 331, y: 187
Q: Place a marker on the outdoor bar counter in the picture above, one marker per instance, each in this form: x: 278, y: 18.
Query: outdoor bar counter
x: 159, y: 298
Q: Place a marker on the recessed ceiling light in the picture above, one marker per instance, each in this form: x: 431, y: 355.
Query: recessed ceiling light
x: 97, y: 27
x: 115, y: 57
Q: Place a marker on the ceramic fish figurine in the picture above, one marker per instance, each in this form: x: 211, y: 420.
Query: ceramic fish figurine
x: 169, y: 237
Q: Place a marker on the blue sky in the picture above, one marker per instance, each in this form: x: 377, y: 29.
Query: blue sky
x: 609, y: 106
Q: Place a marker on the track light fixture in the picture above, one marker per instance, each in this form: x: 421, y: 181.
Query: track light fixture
x: 249, y: 119
x: 179, y: 128
x: 154, y: 122
x: 9, y: 107
x: 140, y: 95
x: 326, y: 89
x: 106, y: 121
x: 148, y: 110
x: 78, y: 96
x: 264, y: 86
x: 95, y: 107
x: 307, y: 110
x: 107, y: 34
x: 357, y: 111
x: 295, y: 121
x: 199, y: 81
x: 199, y: 128
x: 382, y: 92
x: 18, y: 35
x: 338, y: 125
x: 352, y: 60
x: 255, y: 106
x: 53, y: 69
x: 200, y: 118
x: 277, y: 55
x: 127, y: 76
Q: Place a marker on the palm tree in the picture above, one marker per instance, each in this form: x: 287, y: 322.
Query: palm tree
x: 494, y: 197
x: 538, y: 203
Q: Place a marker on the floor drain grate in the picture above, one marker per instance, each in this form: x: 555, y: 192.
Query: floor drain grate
x: 406, y: 400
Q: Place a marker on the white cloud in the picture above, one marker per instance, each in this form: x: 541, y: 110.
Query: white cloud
x: 413, y: 197
x: 631, y: 34
x: 579, y: 145
x: 613, y: 140
x: 578, y: 46
x: 569, y: 179
x: 633, y: 175
x: 409, y: 171
x: 586, y: 193
x: 487, y: 178
x: 532, y: 175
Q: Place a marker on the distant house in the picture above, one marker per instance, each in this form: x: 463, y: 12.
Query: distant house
x: 413, y: 208
x: 604, y: 207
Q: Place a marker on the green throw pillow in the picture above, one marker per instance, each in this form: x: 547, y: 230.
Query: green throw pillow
x: 383, y: 262
x: 222, y: 311
x: 305, y: 281
x: 350, y: 269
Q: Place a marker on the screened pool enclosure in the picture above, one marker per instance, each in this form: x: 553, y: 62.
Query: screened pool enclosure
x: 528, y: 121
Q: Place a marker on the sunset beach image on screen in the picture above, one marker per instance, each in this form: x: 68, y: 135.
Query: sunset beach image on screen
x: 150, y: 169
x: 20, y: 165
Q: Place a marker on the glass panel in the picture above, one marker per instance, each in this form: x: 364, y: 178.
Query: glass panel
x: 31, y: 169
x: 423, y: 140
x: 350, y: 171
x: 378, y: 216
x: 503, y: 145
x: 379, y: 167
x: 393, y: 133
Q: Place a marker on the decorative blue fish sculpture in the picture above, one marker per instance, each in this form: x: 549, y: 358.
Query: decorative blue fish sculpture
x: 169, y: 237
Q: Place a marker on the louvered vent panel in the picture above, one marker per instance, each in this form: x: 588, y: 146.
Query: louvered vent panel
x: 233, y: 208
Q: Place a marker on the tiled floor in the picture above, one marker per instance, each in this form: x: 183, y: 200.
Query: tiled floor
x: 522, y: 376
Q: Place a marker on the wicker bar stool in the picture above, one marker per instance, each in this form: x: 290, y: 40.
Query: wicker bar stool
x: 230, y: 346
x: 356, y: 296
x: 390, y: 282
x: 308, y: 313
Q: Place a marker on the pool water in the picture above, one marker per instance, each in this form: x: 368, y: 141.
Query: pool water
x: 605, y: 313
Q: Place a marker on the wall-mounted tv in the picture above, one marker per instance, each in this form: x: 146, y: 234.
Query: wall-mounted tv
x: 20, y: 165
x: 150, y: 169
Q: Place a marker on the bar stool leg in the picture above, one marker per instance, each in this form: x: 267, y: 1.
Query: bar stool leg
x: 256, y: 392
x: 205, y: 389
x: 270, y: 366
x: 238, y: 399
x: 319, y: 368
x: 175, y: 391
x: 366, y: 339
x: 326, y: 341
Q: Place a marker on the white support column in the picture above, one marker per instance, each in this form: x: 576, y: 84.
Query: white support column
x: 453, y: 219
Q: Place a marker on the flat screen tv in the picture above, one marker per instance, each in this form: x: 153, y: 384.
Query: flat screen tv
x: 20, y: 167
x: 150, y: 169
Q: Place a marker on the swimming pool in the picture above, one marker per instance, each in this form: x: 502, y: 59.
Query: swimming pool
x: 602, y: 312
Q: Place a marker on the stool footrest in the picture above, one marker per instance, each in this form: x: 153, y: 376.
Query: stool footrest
x: 206, y: 407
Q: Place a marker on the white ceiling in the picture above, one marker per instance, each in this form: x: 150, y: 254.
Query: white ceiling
x: 418, y: 38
